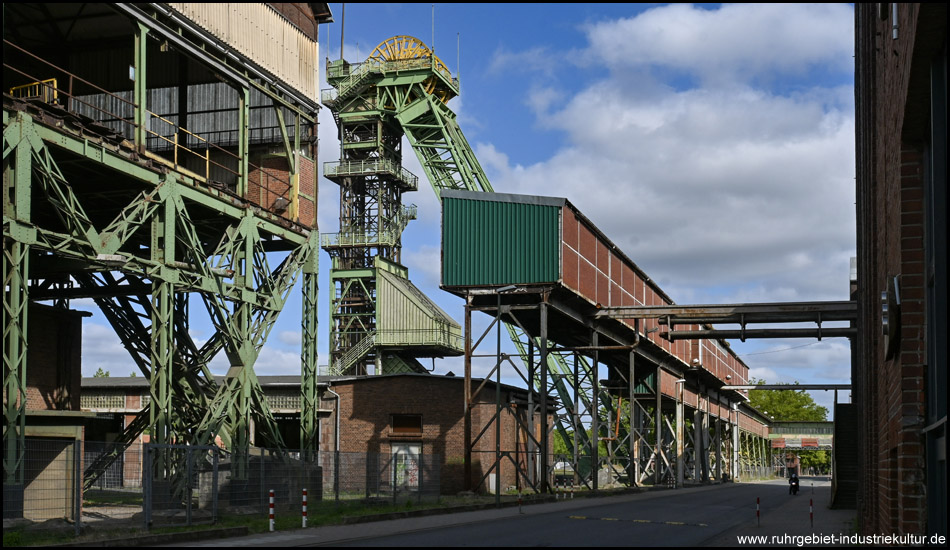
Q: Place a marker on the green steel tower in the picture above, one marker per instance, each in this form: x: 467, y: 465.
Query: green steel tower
x: 404, y: 88
x: 379, y: 321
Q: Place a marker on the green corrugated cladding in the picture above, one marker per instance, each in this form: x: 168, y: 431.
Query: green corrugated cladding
x: 488, y: 243
x: 646, y: 384
x: 407, y: 318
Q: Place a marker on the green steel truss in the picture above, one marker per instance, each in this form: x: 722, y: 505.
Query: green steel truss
x: 140, y: 267
x: 403, y: 81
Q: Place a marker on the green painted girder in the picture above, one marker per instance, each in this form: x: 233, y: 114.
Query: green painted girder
x: 179, y: 378
x: 38, y: 135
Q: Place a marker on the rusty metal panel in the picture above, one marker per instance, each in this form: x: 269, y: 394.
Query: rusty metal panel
x: 263, y: 36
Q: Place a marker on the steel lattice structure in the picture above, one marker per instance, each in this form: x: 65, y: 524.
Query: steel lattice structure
x: 109, y: 208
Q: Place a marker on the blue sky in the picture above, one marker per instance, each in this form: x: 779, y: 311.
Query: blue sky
x: 713, y: 144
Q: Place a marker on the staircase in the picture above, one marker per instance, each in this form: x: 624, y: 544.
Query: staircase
x: 353, y: 355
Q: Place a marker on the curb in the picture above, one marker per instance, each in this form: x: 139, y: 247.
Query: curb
x: 166, y: 538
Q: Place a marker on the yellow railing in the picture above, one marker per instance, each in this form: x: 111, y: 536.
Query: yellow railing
x: 44, y: 89
x: 274, y: 183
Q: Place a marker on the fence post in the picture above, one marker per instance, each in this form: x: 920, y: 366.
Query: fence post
x: 77, y: 484
x: 188, y: 490
x: 422, y: 470
x: 336, y: 476
x: 147, y: 484
x: 214, y: 485
x: 263, y: 491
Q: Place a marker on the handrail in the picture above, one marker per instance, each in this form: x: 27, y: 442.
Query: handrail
x: 127, y: 125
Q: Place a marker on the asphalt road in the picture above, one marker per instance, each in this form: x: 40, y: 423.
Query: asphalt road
x: 699, y: 516
x: 670, y: 518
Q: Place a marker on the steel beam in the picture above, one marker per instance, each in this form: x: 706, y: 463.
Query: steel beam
x: 743, y: 334
x: 788, y: 387
x: 778, y: 312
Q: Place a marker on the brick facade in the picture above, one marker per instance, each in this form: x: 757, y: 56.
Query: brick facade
x: 890, y: 373
x: 367, y: 405
x: 54, y: 356
x: 269, y: 186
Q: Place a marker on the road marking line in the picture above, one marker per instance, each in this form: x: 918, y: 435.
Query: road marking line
x: 677, y: 523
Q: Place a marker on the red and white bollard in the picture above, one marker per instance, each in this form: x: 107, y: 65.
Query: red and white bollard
x: 304, y: 509
x: 271, y: 507
x: 758, y: 519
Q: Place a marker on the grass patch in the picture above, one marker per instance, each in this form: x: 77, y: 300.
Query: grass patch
x: 319, y: 513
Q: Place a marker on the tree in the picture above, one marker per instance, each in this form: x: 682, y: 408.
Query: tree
x: 787, y: 405
x: 793, y: 406
x: 101, y: 373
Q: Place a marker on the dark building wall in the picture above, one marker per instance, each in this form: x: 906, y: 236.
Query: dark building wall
x: 893, y: 370
x: 54, y: 359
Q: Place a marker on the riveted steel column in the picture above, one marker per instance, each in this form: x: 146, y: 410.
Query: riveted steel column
x: 467, y: 392
x: 15, y: 310
x: 161, y: 412
x: 680, y: 389
x: 545, y: 440
x: 633, y: 468
x: 719, y: 444
x: 310, y: 398
x: 140, y: 90
x: 17, y: 182
x: 658, y: 437
x: 244, y: 117
x: 595, y: 412
x: 735, y: 446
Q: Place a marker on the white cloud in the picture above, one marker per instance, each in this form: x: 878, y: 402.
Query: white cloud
x: 101, y: 348
x: 736, y: 42
x: 289, y: 337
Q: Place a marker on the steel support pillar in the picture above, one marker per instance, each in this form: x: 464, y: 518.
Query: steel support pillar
x: 595, y: 413
x: 545, y: 440
x: 633, y: 467
x: 310, y: 396
x: 735, y: 446
x: 140, y: 91
x: 15, y: 314
x: 658, y: 417
x: 467, y: 392
x: 719, y: 446
x: 680, y: 436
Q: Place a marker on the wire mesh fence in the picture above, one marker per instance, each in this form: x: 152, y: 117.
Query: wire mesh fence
x: 147, y: 485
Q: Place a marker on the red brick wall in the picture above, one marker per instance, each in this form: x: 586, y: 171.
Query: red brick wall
x: 54, y: 359
x: 367, y: 405
x: 307, y: 209
x: 269, y: 179
x: 597, y: 273
x: 889, y: 388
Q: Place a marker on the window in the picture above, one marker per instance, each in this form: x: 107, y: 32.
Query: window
x: 406, y: 425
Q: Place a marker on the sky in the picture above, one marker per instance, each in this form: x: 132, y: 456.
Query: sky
x: 714, y: 144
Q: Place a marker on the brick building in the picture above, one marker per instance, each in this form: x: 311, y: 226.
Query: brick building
x: 388, y: 414
x: 900, y: 368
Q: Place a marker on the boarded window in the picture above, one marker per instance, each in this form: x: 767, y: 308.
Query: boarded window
x: 407, y: 424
